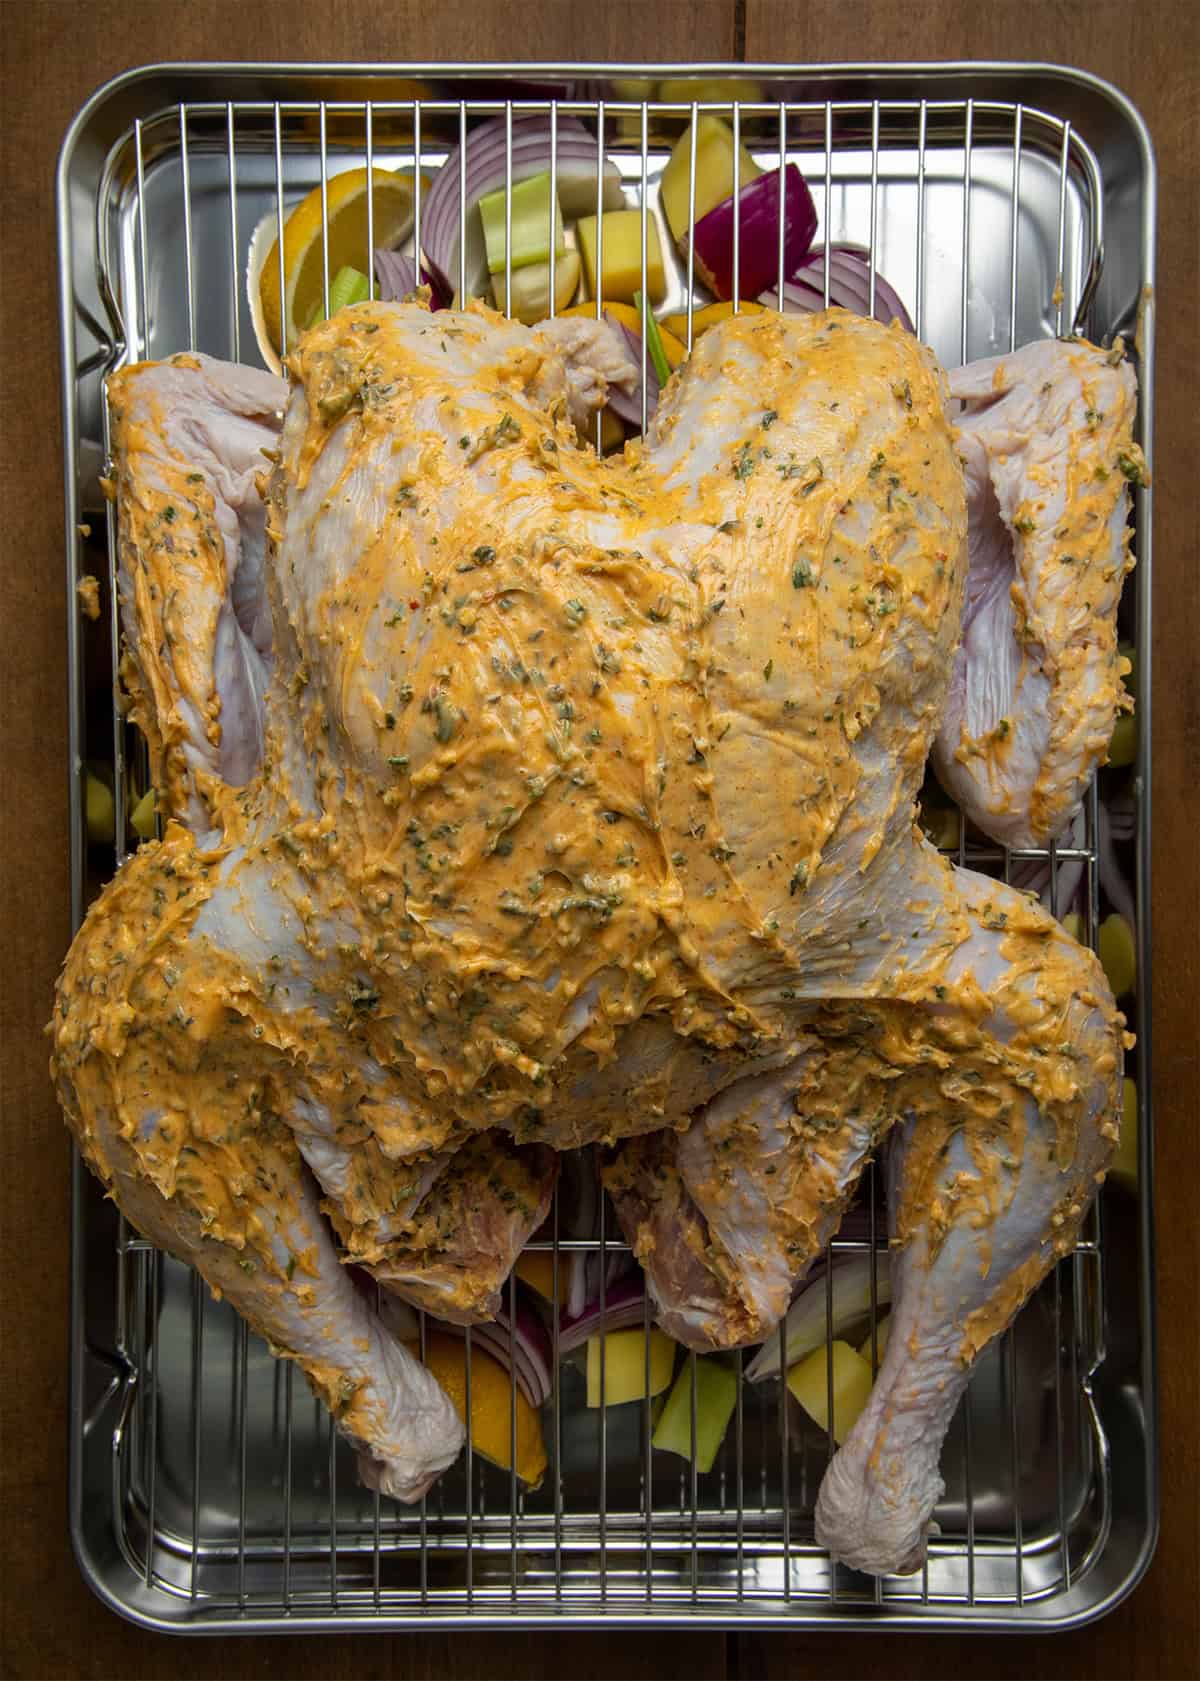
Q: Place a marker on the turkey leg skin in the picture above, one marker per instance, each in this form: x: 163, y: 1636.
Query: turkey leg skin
x: 188, y: 1136
x: 727, y: 1216
x: 988, y: 1188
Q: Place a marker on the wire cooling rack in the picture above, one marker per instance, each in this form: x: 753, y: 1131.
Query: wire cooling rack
x: 209, y: 1491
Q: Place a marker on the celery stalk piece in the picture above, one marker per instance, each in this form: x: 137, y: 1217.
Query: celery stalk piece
x: 654, y: 343
x: 716, y: 1397
x: 348, y: 286
x: 531, y: 224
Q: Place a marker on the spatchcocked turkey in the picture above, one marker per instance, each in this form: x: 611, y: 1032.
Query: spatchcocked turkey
x: 582, y: 809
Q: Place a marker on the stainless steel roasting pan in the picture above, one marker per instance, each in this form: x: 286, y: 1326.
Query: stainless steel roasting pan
x: 208, y: 1493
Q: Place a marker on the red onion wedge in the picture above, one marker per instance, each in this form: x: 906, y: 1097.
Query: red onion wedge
x: 627, y: 405
x: 444, y: 216
x: 396, y: 277
x: 806, y: 1323
x: 624, y: 1305
x: 756, y: 210
x: 849, y: 286
x: 524, y: 1350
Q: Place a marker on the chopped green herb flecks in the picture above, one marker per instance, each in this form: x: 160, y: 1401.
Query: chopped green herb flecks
x: 1133, y: 467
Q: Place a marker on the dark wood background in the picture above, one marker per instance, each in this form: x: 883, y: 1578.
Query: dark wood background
x: 53, y: 53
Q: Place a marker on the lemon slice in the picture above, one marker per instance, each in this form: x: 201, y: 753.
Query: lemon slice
x: 303, y: 247
x: 491, y: 1405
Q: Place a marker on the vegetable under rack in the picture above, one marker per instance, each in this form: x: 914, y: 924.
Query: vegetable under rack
x: 209, y: 1490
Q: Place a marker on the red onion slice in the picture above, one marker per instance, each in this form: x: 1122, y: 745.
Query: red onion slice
x: 807, y: 1323
x: 396, y: 274
x: 627, y: 405
x: 624, y: 1305
x: 525, y: 1351
x: 756, y: 209
x: 849, y: 286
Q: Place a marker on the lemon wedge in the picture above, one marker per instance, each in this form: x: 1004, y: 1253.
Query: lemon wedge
x: 492, y: 1393
x: 304, y: 252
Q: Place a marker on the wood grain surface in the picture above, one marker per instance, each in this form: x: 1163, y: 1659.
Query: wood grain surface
x: 51, y: 56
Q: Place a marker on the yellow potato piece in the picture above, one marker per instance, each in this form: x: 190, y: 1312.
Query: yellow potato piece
x: 714, y: 174
x: 620, y: 252
x: 707, y: 90
x: 612, y: 432
x: 625, y: 1366
x: 1122, y: 748
x: 808, y: 1381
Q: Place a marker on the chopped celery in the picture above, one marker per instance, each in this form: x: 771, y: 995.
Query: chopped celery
x: 625, y: 1362
x: 531, y: 223
x: 716, y: 1397
x: 349, y: 286
x: 654, y: 343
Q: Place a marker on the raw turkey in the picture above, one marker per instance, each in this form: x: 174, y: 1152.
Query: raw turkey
x: 586, y: 814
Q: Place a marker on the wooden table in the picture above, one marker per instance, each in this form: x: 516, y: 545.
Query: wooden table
x: 53, y: 55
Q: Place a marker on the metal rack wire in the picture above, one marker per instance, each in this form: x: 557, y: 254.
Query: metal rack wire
x: 233, y: 1503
